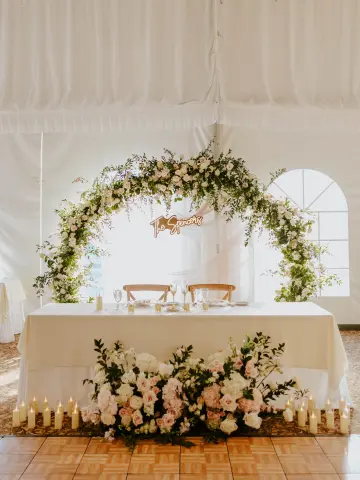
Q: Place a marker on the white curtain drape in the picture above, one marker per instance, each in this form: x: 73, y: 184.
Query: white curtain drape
x: 110, y: 65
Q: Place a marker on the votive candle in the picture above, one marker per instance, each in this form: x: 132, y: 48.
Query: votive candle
x: 342, y: 405
x: 58, y: 419
x: 99, y: 303
x: 34, y: 405
x: 23, y: 412
x: 344, y: 424
x: 301, y: 417
x: 75, y: 418
x: 330, y: 422
x: 46, y: 417
x: 31, y: 419
x: 70, y: 406
x: 313, y: 424
x: 45, y: 404
x: 328, y: 405
x: 16, y: 417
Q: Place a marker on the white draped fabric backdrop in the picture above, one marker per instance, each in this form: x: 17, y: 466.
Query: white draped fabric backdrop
x: 85, y: 84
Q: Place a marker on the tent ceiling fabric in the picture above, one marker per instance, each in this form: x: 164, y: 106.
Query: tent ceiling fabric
x: 100, y: 65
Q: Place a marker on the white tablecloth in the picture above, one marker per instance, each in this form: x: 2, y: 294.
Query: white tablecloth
x: 12, y: 297
x: 57, y: 342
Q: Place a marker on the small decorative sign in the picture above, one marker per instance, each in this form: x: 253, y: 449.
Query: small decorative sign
x: 174, y: 224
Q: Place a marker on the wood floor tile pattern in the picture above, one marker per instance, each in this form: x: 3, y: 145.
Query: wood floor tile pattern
x: 69, y: 458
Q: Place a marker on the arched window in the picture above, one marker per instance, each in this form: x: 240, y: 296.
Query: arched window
x: 318, y: 194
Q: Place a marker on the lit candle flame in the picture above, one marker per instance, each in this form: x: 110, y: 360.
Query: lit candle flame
x: 45, y: 400
x: 34, y: 399
x: 31, y: 410
x: 23, y: 404
x: 71, y: 399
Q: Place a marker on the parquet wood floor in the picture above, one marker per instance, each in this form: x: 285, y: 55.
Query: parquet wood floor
x: 256, y: 458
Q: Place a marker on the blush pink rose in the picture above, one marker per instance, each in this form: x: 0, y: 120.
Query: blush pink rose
x: 238, y: 363
x: 247, y: 405
x: 211, y: 396
x: 137, y: 418
x: 168, y: 420
x: 250, y: 370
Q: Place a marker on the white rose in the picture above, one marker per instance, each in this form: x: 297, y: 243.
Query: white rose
x: 204, y: 184
x: 84, y: 217
x: 136, y: 402
x: 288, y: 415
x: 101, y: 211
x: 179, y: 173
x: 100, y: 377
x: 217, y: 172
x: 176, y: 179
x: 64, y: 235
x: 147, y: 363
x: 252, y: 420
x: 165, y: 369
x: 272, y: 385
x: 228, y: 426
x: 125, y: 392
x: 62, y: 291
x: 228, y: 403
x: 187, y: 178
x: 229, y: 166
x: 107, y: 418
x: 128, y: 377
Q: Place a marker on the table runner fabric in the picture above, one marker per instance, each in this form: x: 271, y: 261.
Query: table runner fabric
x: 60, y: 336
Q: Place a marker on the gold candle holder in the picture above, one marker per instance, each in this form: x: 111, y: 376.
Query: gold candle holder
x: 186, y: 307
x: 131, y: 308
x: 158, y: 307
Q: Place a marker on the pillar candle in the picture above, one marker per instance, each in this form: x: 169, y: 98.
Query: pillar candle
x: 342, y: 405
x: 75, y: 419
x: 301, y: 417
x: 288, y: 406
x: 311, y: 405
x: 58, y: 419
x: 292, y: 404
x: 318, y: 415
x: 313, y: 424
x: 46, y: 417
x: 16, y: 418
x: 45, y: 404
x: 34, y: 405
x: 23, y: 412
x: 31, y: 419
x: 99, y: 303
x: 328, y: 405
x: 70, y: 407
x: 330, y: 423
x: 344, y: 424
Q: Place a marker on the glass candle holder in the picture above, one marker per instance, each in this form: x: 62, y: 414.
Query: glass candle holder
x: 131, y: 307
x: 158, y: 307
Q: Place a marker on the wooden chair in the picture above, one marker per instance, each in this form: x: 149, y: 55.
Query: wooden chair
x: 224, y: 287
x: 146, y: 288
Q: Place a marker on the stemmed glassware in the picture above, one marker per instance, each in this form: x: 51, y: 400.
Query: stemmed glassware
x: 184, y: 289
x: 173, y: 290
x: 117, y: 292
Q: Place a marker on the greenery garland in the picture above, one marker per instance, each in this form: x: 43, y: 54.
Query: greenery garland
x: 227, y: 186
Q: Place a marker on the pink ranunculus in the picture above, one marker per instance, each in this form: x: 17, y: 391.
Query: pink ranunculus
x: 238, y: 363
x: 250, y: 370
x: 228, y: 403
x: 168, y: 421
x: 211, y: 396
x: 149, y: 397
x: 154, y: 380
x: 216, y: 366
x: 137, y: 418
x: 247, y: 405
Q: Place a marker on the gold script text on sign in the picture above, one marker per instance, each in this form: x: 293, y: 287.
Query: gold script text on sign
x: 173, y: 224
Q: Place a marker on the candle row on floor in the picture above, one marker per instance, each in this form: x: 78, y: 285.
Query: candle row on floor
x: 314, y: 415
x: 24, y: 414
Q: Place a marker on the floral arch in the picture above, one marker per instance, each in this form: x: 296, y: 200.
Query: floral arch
x: 224, y: 182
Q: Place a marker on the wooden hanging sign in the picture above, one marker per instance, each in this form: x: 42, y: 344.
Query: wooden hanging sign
x: 174, y: 224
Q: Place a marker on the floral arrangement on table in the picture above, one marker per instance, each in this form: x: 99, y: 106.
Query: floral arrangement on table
x: 224, y: 182
x: 136, y: 395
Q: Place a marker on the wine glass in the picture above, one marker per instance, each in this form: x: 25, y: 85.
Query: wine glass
x: 184, y: 289
x: 117, y: 292
x: 173, y: 290
x: 199, y: 297
x: 205, y: 294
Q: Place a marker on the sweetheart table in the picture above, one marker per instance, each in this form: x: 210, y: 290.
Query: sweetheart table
x: 57, y: 343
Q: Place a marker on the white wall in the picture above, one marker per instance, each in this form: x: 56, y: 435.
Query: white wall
x: 335, y: 154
